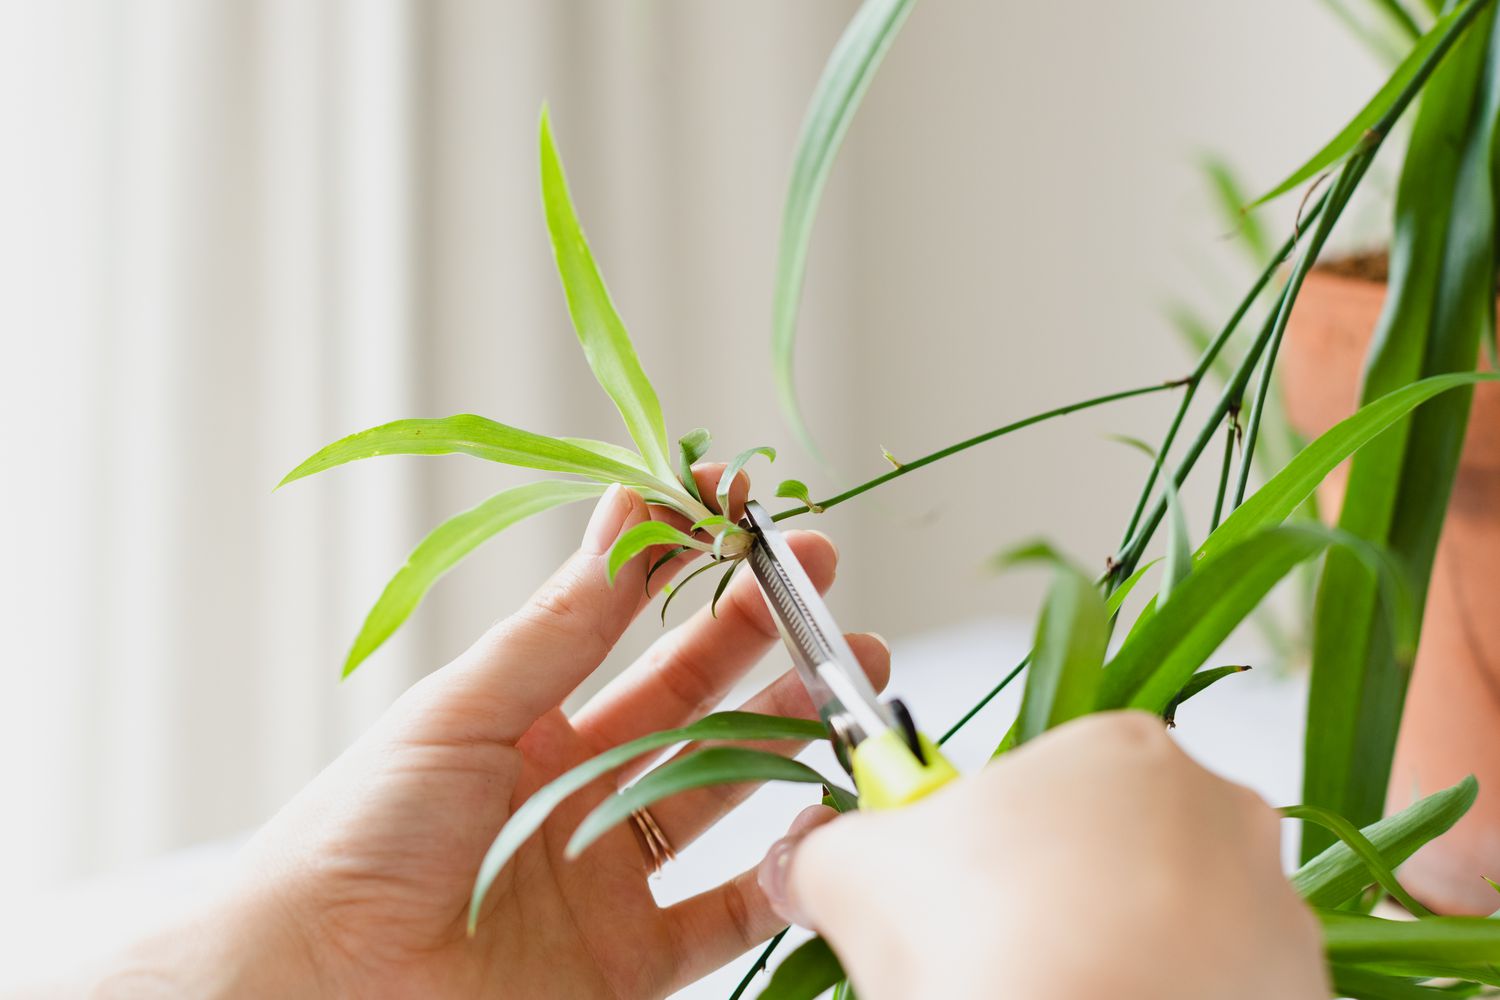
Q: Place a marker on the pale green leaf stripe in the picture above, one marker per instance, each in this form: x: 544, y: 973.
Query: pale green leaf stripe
x: 600, y: 330
x: 446, y: 545
x: 713, y: 766
x: 1420, y: 59
x: 1068, y: 655
x: 850, y: 68
x: 468, y: 434
x: 806, y: 974
x: 644, y: 535
x: 1361, y: 846
x: 1288, y: 489
x: 1337, y: 875
x: 534, y: 811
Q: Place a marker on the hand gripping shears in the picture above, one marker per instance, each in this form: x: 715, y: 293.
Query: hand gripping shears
x: 891, y: 762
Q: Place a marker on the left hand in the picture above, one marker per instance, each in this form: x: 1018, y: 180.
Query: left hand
x: 360, y: 887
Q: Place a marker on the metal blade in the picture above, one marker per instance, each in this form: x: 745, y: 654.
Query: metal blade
x: 828, y: 668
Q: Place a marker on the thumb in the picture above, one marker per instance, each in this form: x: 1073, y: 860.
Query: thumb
x: 527, y: 664
x: 794, y: 896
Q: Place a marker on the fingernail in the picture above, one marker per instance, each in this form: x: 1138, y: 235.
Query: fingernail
x: 774, y: 874
x: 882, y: 640
x: 604, y: 525
x: 831, y: 543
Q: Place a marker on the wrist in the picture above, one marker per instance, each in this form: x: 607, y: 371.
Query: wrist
x: 246, y: 945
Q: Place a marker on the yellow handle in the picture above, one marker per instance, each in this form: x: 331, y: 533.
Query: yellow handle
x: 888, y: 775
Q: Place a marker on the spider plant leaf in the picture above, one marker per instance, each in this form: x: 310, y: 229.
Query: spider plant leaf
x: 1067, y: 656
x: 644, y: 535
x: 1366, y: 851
x: 1461, y: 947
x: 1178, y: 562
x: 795, y: 489
x: 1439, y: 307
x: 534, y: 811
x: 446, y: 545
x: 729, y: 531
x: 690, y: 447
x: 848, y: 73
x: 671, y: 590
x: 1230, y: 199
x: 663, y: 559
x: 1413, y: 70
x: 611, y: 451
x: 711, y: 521
x: 811, y: 970
x: 713, y: 606
x: 711, y: 766
x: 1197, y: 684
x: 726, y: 480
x: 1285, y: 492
x: 1362, y: 984
x: 1160, y: 656
x: 840, y: 799
x: 600, y: 330
x: 468, y: 434
x: 1337, y: 875
x: 1115, y: 601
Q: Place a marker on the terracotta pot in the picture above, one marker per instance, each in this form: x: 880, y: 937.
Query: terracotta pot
x: 1451, y: 726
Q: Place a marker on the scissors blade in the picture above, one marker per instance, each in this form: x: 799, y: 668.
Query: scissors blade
x: 828, y: 668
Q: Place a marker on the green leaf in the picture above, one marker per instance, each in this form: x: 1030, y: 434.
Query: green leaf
x: 712, y: 766
x: 1360, y: 984
x: 726, y: 480
x: 1162, y: 654
x: 808, y: 972
x: 847, y: 74
x: 1179, y: 558
x: 1115, y: 601
x: 1420, y: 61
x: 1068, y: 654
x: 795, y: 489
x: 534, y: 811
x: 1366, y: 851
x: 600, y: 330
x: 446, y: 545
x: 1432, y: 946
x: 1197, y: 684
x: 1285, y: 492
x: 468, y: 434
x: 1439, y: 306
x: 644, y: 535
x: 611, y: 451
x: 1230, y: 198
x: 713, y: 606
x: 691, y: 446
x: 1337, y: 875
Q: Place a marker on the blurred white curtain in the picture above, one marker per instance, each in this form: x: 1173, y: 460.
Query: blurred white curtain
x: 234, y: 231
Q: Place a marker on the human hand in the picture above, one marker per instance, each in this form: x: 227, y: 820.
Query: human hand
x: 361, y: 886
x: 1096, y: 862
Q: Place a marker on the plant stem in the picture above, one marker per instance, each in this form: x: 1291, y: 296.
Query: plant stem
x: 1230, y: 429
x: 1015, y: 671
x: 1205, y: 362
x: 954, y: 449
x: 1343, y: 189
x: 759, y: 964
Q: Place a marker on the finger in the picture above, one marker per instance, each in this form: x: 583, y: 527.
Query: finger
x: 715, y: 926
x: 685, y: 816
x: 690, y: 669
x: 527, y: 664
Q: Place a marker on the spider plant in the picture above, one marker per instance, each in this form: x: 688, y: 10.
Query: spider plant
x: 1402, y: 441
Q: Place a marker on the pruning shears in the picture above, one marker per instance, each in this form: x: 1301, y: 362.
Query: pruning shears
x: 877, y: 743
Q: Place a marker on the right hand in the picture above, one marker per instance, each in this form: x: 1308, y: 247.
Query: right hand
x: 1098, y: 861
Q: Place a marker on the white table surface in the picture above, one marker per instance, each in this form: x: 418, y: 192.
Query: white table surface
x: 1247, y: 728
